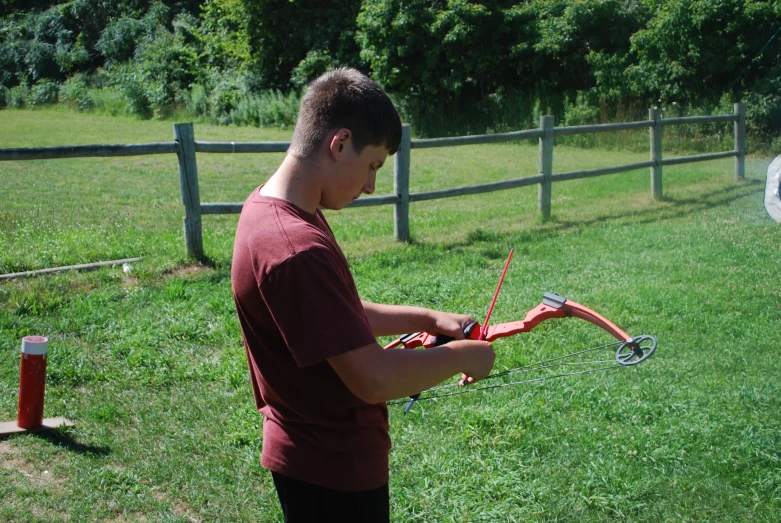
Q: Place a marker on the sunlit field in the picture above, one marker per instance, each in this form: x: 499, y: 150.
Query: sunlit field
x: 149, y: 364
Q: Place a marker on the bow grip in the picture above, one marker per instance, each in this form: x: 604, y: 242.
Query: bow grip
x: 426, y: 340
x: 470, y: 333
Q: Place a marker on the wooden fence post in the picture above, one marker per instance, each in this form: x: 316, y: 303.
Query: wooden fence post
x: 655, y: 115
x: 740, y: 141
x: 188, y: 182
x: 546, y: 167
x: 401, y: 185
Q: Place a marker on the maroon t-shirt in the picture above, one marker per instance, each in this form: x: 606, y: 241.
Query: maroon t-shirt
x: 298, y: 306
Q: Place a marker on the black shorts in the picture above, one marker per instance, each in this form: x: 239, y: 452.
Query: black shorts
x: 304, y: 502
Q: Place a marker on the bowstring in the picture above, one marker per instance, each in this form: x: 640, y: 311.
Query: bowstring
x: 526, y: 368
x: 434, y: 396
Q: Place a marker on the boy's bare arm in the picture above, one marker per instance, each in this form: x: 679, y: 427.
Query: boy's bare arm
x: 390, y: 320
x: 376, y: 375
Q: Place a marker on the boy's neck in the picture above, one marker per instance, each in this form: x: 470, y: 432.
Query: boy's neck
x: 297, y: 180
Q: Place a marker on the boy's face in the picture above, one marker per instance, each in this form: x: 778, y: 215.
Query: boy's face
x: 355, y: 175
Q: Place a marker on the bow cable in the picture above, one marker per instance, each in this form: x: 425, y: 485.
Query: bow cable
x: 524, y: 369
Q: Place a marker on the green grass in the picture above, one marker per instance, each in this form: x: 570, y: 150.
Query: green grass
x: 150, y: 365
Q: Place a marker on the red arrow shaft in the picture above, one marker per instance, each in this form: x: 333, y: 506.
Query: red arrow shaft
x: 484, y: 330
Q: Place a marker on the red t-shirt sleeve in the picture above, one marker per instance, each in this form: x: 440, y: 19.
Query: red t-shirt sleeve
x: 316, y: 307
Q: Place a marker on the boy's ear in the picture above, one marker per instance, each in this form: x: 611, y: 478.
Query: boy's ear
x: 339, y: 140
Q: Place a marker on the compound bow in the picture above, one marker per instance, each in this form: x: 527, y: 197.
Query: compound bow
x: 631, y: 350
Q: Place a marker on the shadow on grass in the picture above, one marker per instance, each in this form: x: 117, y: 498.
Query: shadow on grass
x: 677, y: 208
x: 673, y: 209
x: 64, y: 438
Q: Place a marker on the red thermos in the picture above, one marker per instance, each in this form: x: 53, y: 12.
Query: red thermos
x: 32, y: 382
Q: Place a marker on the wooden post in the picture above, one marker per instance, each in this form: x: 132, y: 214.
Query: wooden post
x: 546, y: 167
x: 401, y: 185
x: 188, y: 182
x: 740, y: 141
x: 655, y: 115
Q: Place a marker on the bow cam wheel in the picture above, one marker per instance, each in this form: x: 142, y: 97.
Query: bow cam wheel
x: 636, y: 350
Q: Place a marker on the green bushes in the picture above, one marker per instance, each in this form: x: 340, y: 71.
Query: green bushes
x: 153, y: 60
x: 118, y: 41
x: 167, y: 66
x: 131, y: 85
x: 763, y: 114
x: 198, y: 102
x: 225, y: 90
x: 18, y: 96
x: 232, y: 98
x: 75, y: 93
x: 267, y: 109
x: 108, y: 101
x: 451, y: 67
x: 43, y: 93
x: 700, y: 138
x: 231, y: 101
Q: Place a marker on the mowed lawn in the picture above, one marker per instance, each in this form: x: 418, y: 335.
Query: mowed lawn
x: 150, y: 367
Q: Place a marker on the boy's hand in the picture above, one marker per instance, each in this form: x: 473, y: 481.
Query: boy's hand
x: 478, y: 359
x: 449, y: 324
x: 479, y: 355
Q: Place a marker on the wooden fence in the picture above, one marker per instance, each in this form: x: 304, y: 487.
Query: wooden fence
x: 186, y: 147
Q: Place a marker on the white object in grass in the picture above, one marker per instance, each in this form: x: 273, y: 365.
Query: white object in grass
x: 772, y: 198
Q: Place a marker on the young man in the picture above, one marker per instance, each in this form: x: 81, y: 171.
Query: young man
x: 318, y: 375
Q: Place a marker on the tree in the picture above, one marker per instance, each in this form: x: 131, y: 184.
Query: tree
x: 585, y: 44
x: 696, y: 49
x: 282, y: 32
x: 445, y: 54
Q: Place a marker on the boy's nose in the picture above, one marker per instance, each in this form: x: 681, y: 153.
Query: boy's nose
x: 368, y: 187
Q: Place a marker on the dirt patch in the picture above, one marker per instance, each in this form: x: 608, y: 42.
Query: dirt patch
x: 129, y: 281
x: 127, y: 516
x: 11, y: 459
x: 178, y: 507
x: 189, y: 271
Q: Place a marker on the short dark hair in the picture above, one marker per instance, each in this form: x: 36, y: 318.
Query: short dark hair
x: 346, y: 98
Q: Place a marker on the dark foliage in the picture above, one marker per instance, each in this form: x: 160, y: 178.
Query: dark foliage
x: 452, y: 66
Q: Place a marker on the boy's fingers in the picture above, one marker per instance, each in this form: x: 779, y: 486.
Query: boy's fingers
x: 466, y: 380
x: 454, y: 327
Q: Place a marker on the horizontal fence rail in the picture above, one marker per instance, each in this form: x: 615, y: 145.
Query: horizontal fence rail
x: 87, y: 151
x: 185, y: 146
x: 699, y: 158
x: 426, y: 143
x: 475, y: 189
x: 590, y: 173
x: 601, y: 128
x: 241, y: 147
x: 701, y: 119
